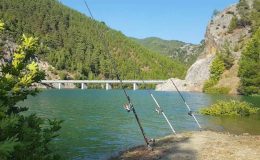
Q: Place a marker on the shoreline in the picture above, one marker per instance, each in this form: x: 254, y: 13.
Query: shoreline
x: 199, y: 145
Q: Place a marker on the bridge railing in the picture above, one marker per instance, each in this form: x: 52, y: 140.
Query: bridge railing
x: 107, y: 82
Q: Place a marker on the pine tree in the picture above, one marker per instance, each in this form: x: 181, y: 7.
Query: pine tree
x: 249, y: 71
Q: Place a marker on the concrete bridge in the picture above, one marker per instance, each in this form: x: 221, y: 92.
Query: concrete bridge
x: 84, y: 83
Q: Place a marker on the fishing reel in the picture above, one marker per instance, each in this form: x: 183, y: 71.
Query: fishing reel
x: 128, y: 107
x: 190, y: 113
x: 158, y: 110
x: 150, y: 143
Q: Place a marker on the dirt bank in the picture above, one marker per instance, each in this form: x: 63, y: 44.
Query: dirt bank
x: 199, y: 146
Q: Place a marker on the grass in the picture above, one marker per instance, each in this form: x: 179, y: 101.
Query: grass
x: 230, y: 108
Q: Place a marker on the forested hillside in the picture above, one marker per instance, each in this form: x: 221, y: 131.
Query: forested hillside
x: 184, y: 52
x: 73, y: 42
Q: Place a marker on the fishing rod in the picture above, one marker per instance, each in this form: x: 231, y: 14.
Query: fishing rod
x: 159, y: 108
x: 129, y: 106
x: 190, y: 112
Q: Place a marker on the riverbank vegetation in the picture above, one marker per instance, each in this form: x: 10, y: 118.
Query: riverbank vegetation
x: 22, y: 136
x: 230, y: 108
x: 73, y: 42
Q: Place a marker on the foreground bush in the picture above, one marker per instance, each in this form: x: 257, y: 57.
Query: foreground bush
x: 229, y: 108
x: 22, y: 137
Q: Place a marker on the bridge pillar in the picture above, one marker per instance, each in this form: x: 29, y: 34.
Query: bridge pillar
x: 135, y: 87
x: 83, y: 86
x: 108, y: 86
x: 59, y: 85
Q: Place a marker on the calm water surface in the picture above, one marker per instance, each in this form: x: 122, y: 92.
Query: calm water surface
x: 96, y: 126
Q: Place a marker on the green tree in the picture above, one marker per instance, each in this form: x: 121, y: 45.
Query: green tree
x: 233, y: 24
x: 249, y: 71
x: 217, y: 68
x: 255, y: 15
x: 215, y: 13
x: 22, y: 137
x: 227, y: 57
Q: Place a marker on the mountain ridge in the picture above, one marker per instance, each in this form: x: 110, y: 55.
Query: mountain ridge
x: 175, y: 49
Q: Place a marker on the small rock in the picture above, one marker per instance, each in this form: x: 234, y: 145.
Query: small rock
x: 246, y: 134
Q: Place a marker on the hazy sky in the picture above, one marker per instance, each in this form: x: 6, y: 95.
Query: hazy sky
x: 184, y: 20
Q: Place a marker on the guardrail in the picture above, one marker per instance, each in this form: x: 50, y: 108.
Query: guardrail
x: 107, y: 82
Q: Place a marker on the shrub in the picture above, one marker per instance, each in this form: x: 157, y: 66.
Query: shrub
x: 243, y: 22
x: 217, y: 90
x: 63, y: 75
x: 230, y: 12
x: 21, y: 136
x: 215, y: 13
x: 230, y: 108
x: 236, y: 48
x: 227, y: 56
x: 50, y: 69
x: 233, y: 24
x: 209, y: 84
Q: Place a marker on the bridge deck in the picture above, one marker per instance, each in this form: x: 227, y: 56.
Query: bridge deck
x: 105, y: 81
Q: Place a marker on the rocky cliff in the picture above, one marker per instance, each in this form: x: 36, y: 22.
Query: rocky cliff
x: 217, y: 36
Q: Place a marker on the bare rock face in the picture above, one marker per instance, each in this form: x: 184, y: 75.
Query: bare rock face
x: 217, y: 33
x: 45, y: 66
x: 195, y: 78
x: 168, y: 86
x: 199, y: 71
x: 50, y: 75
x: 216, y: 37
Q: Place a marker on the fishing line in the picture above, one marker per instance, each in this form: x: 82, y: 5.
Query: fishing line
x: 159, y: 108
x: 190, y: 112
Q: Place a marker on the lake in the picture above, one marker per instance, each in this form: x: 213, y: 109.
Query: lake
x: 96, y: 126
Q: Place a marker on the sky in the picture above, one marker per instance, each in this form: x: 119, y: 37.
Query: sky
x: 184, y: 20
